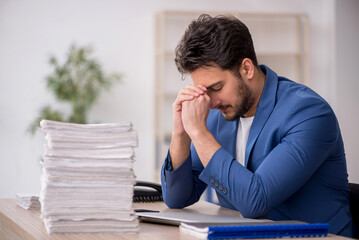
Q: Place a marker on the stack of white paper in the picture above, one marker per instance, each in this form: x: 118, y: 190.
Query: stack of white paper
x: 28, y: 201
x: 87, y: 181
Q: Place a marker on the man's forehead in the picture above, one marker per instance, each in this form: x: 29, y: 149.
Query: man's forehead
x: 207, y: 76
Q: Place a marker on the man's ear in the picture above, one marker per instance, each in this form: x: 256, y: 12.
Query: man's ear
x: 247, y: 69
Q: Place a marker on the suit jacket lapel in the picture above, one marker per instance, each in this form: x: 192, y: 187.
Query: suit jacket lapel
x: 264, y: 109
x: 227, y: 134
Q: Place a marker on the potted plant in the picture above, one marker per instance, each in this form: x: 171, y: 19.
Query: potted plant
x: 78, y: 82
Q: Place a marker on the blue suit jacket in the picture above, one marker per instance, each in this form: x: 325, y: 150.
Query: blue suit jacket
x: 295, y: 165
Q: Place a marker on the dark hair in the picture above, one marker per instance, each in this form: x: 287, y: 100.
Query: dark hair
x: 214, y: 41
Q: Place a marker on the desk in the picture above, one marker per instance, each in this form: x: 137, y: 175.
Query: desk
x: 17, y: 223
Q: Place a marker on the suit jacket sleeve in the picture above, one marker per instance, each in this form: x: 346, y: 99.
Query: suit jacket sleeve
x: 182, y: 187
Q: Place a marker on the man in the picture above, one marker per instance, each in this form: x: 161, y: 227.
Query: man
x: 270, y: 147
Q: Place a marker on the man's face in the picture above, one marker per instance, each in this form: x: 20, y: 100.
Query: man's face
x: 228, y: 92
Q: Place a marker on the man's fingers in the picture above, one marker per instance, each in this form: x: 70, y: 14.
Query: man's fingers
x: 188, y: 93
x: 202, y: 87
x: 182, y: 98
x: 193, y: 90
x: 198, y: 88
x: 177, y: 105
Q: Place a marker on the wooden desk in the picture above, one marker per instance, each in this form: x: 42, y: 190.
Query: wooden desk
x: 20, y: 224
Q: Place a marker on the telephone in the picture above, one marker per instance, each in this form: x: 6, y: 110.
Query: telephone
x: 147, y: 192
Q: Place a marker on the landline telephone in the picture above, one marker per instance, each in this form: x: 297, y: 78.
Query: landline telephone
x: 147, y: 192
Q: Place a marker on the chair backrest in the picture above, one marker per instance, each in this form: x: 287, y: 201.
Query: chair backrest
x: 354, y: 206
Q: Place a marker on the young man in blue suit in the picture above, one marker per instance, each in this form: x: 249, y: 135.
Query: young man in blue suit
x: 270, y: 147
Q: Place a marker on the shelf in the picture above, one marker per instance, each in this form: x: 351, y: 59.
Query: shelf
x: 278, y: 54
x: 172, y: 95
x: 165, y: 135
x: 167, y: 53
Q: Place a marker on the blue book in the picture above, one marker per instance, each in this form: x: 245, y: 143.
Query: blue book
x: 270, y: 229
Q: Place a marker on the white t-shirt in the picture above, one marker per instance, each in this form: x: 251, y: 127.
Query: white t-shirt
x: 244, y: 126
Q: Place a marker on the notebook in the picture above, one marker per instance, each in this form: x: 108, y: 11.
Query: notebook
x: 274, y: 229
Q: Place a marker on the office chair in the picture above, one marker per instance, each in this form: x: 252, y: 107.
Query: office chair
x: 354, y: 206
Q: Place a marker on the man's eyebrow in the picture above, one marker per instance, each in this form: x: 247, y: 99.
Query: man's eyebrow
x: 213, y: 84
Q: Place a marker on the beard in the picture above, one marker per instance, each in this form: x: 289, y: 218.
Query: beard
x: 243, y: 102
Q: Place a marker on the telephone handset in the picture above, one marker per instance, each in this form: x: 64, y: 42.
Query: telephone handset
x: 147, y: 192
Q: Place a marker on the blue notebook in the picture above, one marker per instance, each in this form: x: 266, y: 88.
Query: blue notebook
x: 275, y: 229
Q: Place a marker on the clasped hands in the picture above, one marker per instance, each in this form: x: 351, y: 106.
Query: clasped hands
x: 190, y: 110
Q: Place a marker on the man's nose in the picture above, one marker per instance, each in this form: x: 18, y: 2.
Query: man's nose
x: 214, y: 102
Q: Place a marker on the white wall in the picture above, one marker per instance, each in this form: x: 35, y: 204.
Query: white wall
x: 122, y: 33
x: 347, y: 84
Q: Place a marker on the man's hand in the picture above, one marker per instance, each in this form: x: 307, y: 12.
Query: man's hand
x: 194, y: 118
x: 180, y: 142
x: 194, y: 114
x: 186, y: 94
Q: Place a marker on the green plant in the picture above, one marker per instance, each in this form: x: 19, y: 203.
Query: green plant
x: 79, y: 82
